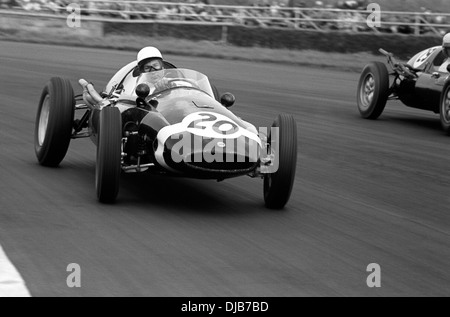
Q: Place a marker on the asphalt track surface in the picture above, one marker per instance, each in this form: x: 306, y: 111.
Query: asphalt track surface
x: 365, y: 192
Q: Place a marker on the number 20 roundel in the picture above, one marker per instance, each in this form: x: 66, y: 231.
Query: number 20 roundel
x: 213, y: 125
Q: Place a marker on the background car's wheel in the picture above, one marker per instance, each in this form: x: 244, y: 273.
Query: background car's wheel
x: 444, y: 108
x: 109, y: 154
x: 373, y: 90
x: 278, y: 185
x: 54, y: 120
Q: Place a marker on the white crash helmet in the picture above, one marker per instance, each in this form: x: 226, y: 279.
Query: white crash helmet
x: 446, y: 45
x: 147, y: 53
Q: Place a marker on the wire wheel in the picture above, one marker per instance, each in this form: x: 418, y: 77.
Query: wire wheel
x: 367, y: 91
x: 373, y: 90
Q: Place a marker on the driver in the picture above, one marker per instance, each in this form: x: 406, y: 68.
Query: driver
x: 446, y: 52
x: 446, y: 45
x: 150, y: 60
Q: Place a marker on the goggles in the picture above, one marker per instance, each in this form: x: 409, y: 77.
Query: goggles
x: 153, y: 66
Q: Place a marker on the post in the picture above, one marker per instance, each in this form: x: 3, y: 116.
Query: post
x: 417, y: 25
x: 155, y: 29
x: 224, y: 38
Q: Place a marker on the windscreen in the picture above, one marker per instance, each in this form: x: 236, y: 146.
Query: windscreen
x: 166, y: 79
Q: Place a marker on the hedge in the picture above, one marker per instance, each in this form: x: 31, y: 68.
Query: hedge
x: 192, y: 32
x: 403, y: 46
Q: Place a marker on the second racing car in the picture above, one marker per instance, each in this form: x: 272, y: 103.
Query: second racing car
x: 423, y: 83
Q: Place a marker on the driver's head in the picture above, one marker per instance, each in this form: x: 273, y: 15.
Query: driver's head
x: 446, y: 45
x: 150, y: 60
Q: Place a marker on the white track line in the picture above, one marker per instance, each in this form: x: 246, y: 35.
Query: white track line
x: 11, y: 283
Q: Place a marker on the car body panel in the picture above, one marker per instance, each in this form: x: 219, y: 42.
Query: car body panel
x: 424, y: 91
x: 186, y: 130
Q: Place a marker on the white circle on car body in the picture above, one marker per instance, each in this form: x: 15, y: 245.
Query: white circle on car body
x: 423, y: 57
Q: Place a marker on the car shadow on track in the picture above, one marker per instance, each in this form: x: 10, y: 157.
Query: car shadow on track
x: 201, y: 196
x: 426, y: 123
x: 158, y: 192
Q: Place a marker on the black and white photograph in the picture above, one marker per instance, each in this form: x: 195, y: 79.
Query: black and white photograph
x: 225, y: 156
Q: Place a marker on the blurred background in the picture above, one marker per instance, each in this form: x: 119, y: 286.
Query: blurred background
x: 325, y: 26
x: 366, y: 191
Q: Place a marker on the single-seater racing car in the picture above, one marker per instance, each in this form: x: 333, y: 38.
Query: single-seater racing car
x: 184, y: 129
x: 423, y: 83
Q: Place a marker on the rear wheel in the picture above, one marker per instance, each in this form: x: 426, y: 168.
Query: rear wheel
x: 373, y: 90
x: 278, y: 185
x: 445, y: 108
x: 54, y: 121
x: 109, y: 155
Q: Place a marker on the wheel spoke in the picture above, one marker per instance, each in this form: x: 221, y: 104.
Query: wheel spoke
x: 367, y: 91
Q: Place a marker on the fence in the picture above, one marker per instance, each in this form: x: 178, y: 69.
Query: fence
x: 273, y: 17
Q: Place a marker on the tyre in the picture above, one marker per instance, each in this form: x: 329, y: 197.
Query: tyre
x: 109, y: 155
x: 373, y: 90
x: 54, y: 121
x: 444, y: 108
x: 278, y: 185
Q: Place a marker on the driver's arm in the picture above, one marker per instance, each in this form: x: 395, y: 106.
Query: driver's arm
x: 90, y: 96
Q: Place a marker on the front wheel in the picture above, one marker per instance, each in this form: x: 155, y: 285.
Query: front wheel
x: 373, y: 90
x: 109, y: 155
x: 278, y: 185
x: 444, y: 108
x: 54, y: 121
